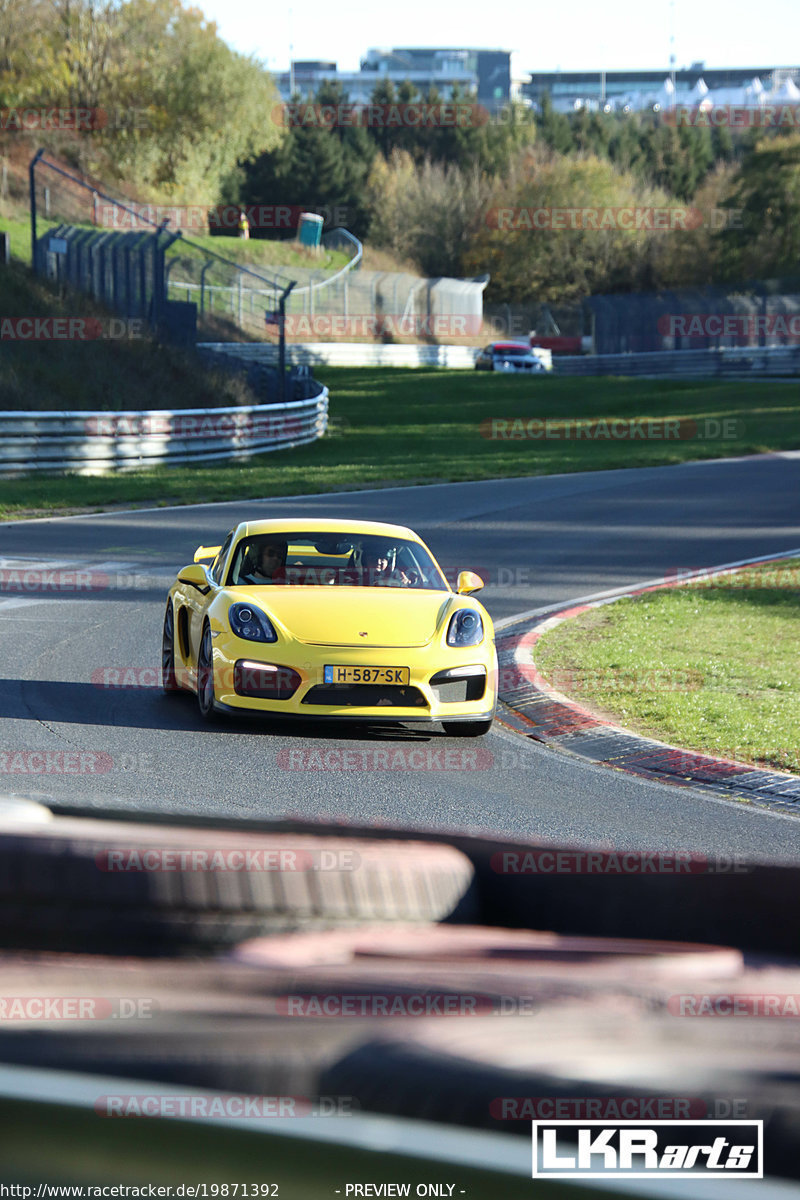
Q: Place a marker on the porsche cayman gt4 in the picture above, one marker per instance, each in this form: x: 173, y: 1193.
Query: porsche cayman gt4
x: 327, y: 618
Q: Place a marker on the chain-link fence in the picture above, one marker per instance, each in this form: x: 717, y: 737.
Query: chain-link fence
x: 518, y: 322
x: 141, y: 260
x: 126, y: 255
x: 758, y: 314
x: 386, y: 306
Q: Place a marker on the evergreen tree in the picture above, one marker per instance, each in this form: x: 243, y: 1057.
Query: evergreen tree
x: 765, y: 241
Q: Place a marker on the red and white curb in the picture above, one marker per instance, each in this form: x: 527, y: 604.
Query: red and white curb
x: 546, y: 715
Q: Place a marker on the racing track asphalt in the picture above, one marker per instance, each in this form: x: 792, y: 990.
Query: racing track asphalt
x: 540, y: 540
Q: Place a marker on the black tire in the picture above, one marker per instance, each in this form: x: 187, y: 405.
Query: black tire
x: 185, y: 1034
x: 169, y: 683
x: 205, y: 675
x: 78, y: 885
x: 467, y: 728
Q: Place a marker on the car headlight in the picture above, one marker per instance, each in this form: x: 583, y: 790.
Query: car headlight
x: 250, y: 623
x: 465, y: 628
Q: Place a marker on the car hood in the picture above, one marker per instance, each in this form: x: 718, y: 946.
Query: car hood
x: 352, y: 616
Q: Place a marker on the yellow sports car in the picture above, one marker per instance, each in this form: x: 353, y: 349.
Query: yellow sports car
x: 326, y: 618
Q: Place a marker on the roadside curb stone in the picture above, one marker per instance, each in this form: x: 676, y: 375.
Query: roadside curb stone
x: 539, y: 712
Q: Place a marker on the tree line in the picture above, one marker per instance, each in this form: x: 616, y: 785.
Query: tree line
x: 190, y: 121
x: 710, y: 205
x: 175, y: 110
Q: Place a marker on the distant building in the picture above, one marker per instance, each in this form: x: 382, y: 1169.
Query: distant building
x: 636, y: 90
x: 495, y: 77
x: 490, y: 74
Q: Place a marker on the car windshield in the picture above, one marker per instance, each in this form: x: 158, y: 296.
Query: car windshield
x: 346, y: 559
x: 512, y: 351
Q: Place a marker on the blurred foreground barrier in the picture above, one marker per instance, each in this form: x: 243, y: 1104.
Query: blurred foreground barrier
x: 96, y: 443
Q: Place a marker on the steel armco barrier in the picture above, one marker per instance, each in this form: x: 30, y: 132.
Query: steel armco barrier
x: 358, y: 354
x: 349, y: 354
x: 742, y: 362
x: 734, y: 362
x: 96, y: 443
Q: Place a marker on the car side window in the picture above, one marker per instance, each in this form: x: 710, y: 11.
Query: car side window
x: 219, y: 561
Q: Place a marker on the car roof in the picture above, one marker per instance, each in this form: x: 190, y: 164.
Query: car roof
x: 510, y: 346
x: 289, y: 525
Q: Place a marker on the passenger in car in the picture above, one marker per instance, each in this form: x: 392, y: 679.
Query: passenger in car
x: 380, y: 568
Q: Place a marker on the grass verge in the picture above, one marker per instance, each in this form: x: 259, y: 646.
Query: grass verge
x: 711, y: 666
x: 401, y: 426
x: 100, y: 373
x: 254, y: 252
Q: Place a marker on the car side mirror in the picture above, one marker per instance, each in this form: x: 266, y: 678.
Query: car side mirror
x: 468, y: 582
x: 196, y: 576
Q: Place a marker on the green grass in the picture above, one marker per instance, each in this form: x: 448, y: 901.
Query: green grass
x: 261, y: 252
x: 19, y: 233
x: 256, y: 252
x: 710, y: 666
x: 401, y: 426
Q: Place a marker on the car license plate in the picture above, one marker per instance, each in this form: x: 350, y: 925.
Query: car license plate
x: 334, y: 674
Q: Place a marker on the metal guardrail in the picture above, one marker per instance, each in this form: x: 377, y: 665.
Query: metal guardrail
x: 350, y: 354
x: 96, y: 443
x: 358, y: 354
x: 733, y: 361
x: 727, y: 362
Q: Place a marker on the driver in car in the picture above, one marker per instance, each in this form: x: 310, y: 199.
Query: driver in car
x: 265, y: 563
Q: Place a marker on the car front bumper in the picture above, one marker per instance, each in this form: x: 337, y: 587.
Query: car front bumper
x: 424, y: 663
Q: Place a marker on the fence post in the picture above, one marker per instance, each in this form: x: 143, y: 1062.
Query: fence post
x: 101, y: 277
x: 206, y: 265
x: 127, y: 261
x: 32, y: 186
x: 282, y: 339
x: 143, y: 282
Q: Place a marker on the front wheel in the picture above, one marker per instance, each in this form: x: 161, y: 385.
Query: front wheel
x: 205, y: 675
x: 168, y: 681
x: 467, y: 728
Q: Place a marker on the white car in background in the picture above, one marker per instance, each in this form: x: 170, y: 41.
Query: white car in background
x: 512, y: 357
